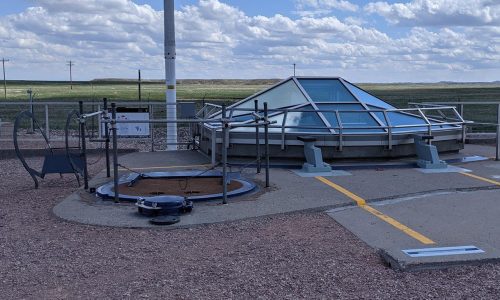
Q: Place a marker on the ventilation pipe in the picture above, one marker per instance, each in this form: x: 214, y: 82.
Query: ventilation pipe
x: 170, y: 74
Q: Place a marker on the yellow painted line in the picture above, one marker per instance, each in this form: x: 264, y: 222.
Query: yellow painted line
x: 360, y: 201
x: 481, y: 178
x: 362, y: 204
x: 166, y: 167
x: 418, y: 236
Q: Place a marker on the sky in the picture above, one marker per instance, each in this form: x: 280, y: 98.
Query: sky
x: 362, y: 41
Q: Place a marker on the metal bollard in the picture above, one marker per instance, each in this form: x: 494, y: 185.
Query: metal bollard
x: 115, y: 150
x: 257, y: 139
x: 84, y: 147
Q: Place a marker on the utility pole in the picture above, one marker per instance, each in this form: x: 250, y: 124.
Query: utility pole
x: 4, y: 80
x: 139, y: 83
x: 71, y: 64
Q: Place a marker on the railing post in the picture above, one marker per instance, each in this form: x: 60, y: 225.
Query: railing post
x: 214, y: 147
x: 266, y: 134
x: 106, y: 136
x: 224, y: 155
x: 47, y: 127
x: 84, y: 147
x: 283, y: 129
x: 257, y: 139
x: 115, y: 151
x: 389, y: 130
x: 497, y: 156
x: 341, y: 138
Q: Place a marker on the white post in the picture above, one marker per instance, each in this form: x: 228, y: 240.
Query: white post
x: 170, y: 73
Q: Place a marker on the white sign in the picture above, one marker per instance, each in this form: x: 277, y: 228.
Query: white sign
x: 132, y: 129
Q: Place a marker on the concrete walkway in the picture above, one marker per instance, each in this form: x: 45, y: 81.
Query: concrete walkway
x: 388, y: 208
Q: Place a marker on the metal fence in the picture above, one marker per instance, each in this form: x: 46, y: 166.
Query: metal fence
x: 52, y: 117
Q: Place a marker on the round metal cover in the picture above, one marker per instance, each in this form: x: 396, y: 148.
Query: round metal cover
x: 165, y: 220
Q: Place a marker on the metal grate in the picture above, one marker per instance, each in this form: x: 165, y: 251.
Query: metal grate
x: 426, y: 252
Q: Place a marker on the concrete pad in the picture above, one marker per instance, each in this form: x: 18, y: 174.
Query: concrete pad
x: 323, y: 174
x: 457, y: 219
x: 288, y: 193
x: 448, y: 169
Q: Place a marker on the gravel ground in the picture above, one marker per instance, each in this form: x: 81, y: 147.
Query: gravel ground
x: 300, y: 255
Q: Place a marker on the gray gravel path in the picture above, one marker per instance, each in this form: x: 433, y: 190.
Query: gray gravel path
x: 294, y: 256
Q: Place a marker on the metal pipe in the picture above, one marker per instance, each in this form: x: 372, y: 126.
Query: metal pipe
x: 214, y: 145
x: 84, y: 148
x: 115, y: 151
x: 165, y: 121
x: 89, y: 115
x: 106, y: 136
x: 170, y: 55
x: 341, y: 138
x: 47, y: 126
x: 257, y: 139
x: 389, y: 130
x: 266, y: 134
x: 224, y: 156
x: 497, y: 157
x: 283, y: 128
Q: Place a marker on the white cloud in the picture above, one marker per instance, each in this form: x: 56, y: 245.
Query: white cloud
x: 216, y: 40
x: 311, y: 8
x: 439, y: 12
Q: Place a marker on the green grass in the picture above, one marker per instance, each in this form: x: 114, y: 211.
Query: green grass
x: 150, y: 91
x: 232, y: 90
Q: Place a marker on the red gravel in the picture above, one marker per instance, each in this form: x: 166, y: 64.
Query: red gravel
x: 301, y: 255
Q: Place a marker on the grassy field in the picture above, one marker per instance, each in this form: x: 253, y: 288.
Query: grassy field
x: 123, y: 90
x: 396, y: 94
x: 232, y: 90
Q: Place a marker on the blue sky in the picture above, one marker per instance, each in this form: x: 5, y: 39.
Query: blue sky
x: 363, y: 41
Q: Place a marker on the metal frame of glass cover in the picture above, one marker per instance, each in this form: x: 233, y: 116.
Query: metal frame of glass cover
x: 336, y: 107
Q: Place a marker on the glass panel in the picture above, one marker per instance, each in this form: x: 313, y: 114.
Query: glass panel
x: 326, y: 90
x: 282, y: 96
x: 304, y: 119
x: 350, y: 119
x: 366, y: 97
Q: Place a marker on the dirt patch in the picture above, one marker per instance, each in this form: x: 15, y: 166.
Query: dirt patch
x: 178, y: 186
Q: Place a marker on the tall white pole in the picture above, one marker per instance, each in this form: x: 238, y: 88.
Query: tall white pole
x: 170, y: 74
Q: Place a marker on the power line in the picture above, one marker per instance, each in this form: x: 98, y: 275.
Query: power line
x: 4, y: 80
x: 71, y: 64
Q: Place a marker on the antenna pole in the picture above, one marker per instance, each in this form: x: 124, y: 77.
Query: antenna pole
x: 71, y: 64
x: 139, y: 83
x: 294, y: 64
x: 4, y: 80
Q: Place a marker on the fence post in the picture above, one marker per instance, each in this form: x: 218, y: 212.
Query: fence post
x: 497, y: 156
x: 257, y: 139
x: 266, y: 133
x: 224, y: 155
x: 47, y: 126
x: 115, y: 151
x: 84, y: 146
